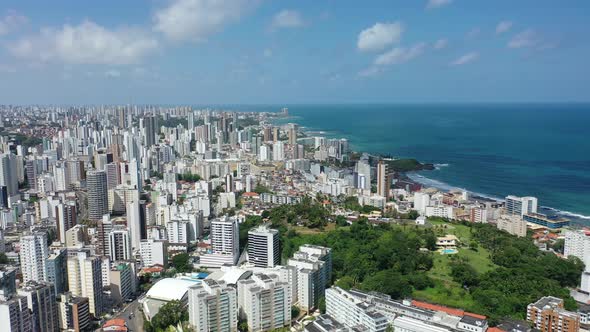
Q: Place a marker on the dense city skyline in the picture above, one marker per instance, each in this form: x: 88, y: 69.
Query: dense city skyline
x: 228, y: 52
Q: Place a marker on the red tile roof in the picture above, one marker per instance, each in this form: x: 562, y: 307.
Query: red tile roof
x: 450, y: 311
x: 495, y: 329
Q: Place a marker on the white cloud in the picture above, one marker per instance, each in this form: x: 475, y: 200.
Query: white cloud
x: 195, y: 20
x: 465, y: 59
x: 503, y: 27
x: 379, y: 36
x: 526, y: 38
x: 11, y: 21
x: 432, y: 4
x: 396, y: 56
x: 287, y: 19
x: 440, y: 44
x: 87, y: 43
x: 400, y: 55
x: 112, y: 73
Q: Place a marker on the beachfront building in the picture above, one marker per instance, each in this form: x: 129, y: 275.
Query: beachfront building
x: 521, y: 205
x: 550, y: 222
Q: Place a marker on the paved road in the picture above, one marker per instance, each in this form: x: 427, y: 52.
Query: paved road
x: 135, y: 323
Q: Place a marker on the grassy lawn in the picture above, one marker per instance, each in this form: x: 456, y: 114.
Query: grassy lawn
x: 308, y: 231
x: 446, y: 291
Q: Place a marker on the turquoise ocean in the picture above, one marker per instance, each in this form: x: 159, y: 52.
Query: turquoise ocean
x: 494, y: 150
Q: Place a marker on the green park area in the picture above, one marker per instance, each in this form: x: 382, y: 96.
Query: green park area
x: 493, y: 273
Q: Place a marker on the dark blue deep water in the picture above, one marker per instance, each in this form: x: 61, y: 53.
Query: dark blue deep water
x: 540, y: 150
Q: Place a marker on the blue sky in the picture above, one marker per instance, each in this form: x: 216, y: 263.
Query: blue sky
x: 257, y: 52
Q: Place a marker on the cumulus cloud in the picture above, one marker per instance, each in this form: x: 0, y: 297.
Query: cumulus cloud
x: 11, y: 21
x: 400, y: 55
x: 465, y: 59
x: 195, y: 20
x: 86, y: 43
x: 287, y: 19
x: 503, y: 27
x: 440, y: 44
x: 379, y: 36
x: 524, y: 39
x: 432, y: 4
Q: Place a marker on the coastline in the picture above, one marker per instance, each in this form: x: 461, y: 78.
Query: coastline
x: 418, y: 177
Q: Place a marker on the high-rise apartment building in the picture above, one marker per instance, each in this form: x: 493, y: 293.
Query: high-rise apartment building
x: 15, y: 315
x: 382, y: 177
x: 225, y: 247
x: 548, y: 315
x: 73, y: 313
x: 57, y: 272
x: 85, y: 280
x: 263, y: 247
x: 65, y: 217
x: 40, y: 297
x: 521, y: 205
x: 314, y: 272
x: 98, y: 206
x: 278, y: 151
x: 119, y: 244
x: 353, y: 311
x: 265, y: 302
x: 8, y: 177
x: 213, y: 306
x: 154, y: 252
x: 33, y: 255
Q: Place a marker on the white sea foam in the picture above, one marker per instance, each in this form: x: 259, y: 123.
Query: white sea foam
x: 441, y: 165
x: 573, y: 215
x: 445, y: 186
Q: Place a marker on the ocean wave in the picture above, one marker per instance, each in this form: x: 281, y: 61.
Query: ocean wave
x: 565, y: 213
x: 445, y: 186
x: 430, y: 182
x: 439, y: 166
x: 573, y: 215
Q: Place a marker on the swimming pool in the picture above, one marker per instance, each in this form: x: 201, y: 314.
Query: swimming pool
x: 448, y: 251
